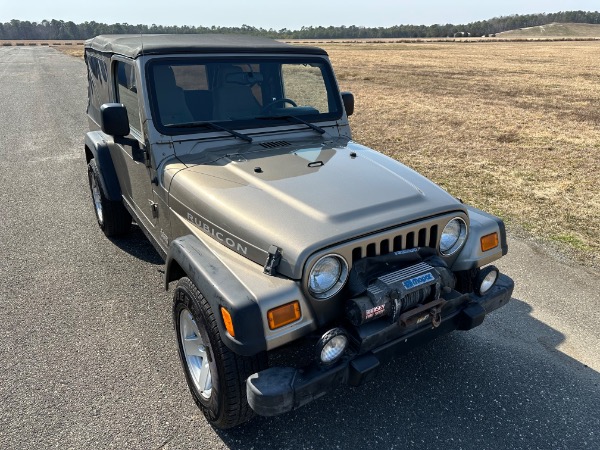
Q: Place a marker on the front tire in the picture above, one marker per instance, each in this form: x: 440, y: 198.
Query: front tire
x: 215, y: 375
x: 113, y: 218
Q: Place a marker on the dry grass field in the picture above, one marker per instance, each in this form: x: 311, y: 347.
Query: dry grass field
x: 510, y: 127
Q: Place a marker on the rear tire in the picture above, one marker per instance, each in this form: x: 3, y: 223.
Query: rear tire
x: 221, y: 395
x: 113, y: 218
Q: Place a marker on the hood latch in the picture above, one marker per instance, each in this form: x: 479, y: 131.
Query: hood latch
x: 273, y: 260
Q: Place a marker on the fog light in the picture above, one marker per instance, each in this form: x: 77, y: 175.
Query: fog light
x: 331, y: 346
x: 486, y: 279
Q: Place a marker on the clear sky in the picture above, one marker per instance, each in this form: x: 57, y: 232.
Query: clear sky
x: 282, y: 13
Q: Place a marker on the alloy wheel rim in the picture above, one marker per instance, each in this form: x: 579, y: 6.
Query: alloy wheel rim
x: 195, y: 352
x: 97, y: 198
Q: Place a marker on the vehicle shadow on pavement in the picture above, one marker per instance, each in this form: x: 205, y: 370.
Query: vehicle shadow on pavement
x: 138, y: 246
x: 502, y: 385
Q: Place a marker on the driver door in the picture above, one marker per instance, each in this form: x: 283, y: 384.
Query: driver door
x: 134, y: 176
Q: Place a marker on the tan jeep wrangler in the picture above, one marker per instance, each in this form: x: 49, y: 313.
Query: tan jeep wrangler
x: 234, y: 155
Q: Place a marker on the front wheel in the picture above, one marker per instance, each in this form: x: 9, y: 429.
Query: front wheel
x: 113, y: 218
x: 215, y: 375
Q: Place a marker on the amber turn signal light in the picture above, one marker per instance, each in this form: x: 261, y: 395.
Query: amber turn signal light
x: 227, y: 321
x: 282, y: 315
x: 489, y: 242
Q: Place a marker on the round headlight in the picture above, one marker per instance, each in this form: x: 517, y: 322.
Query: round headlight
x: 453, y: 236
x: 327, y: 276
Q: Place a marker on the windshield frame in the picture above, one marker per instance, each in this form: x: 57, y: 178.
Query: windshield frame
x: 242, y: 124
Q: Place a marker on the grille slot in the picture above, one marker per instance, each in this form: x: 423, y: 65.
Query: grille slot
x: 398, y: 243
x: 418, y: 237
x: 274, y: 144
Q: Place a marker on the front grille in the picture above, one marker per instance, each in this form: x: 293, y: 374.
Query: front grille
x: 424, y: 236
x: 418, y: 234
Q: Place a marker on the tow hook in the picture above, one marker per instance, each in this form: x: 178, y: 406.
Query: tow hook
x: 436, y: 316
x: 431, y: 310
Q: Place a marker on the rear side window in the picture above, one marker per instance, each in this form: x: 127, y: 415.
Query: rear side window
x: 127, y: 92
x: 97, y: 84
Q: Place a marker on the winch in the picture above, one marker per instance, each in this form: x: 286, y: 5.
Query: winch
x: 393, y: 293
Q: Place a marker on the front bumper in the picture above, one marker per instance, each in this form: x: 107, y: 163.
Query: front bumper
x: 281, y: 389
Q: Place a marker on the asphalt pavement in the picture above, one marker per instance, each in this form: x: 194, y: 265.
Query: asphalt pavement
x: 88, y: 356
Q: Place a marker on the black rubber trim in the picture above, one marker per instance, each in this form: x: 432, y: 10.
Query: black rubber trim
x: 503, y: 238
x: 95, y: 142
x: 221, y: 288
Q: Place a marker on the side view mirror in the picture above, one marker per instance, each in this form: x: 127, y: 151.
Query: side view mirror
x: 114, y: 120
x: 348, y: 99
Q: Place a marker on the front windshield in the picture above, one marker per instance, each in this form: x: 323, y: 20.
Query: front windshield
x: 241, y: 93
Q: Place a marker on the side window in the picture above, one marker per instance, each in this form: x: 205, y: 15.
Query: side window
x: 97, y: 87
x: 127, y: 93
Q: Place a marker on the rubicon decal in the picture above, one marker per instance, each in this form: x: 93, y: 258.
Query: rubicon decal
x: 218, y: 234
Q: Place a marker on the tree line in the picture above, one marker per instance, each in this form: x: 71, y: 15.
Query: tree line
x: 59, y: 29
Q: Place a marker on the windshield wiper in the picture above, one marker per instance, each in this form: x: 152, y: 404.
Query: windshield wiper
x: 214, y: 126
x: 297, y: 119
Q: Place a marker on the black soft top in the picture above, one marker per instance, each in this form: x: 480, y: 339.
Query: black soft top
x: 134, y: 45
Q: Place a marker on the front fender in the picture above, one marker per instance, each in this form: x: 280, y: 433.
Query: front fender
x: 241, y: 286
x: 481, y: 224
x: 188, y: 256
x: 98, y: 147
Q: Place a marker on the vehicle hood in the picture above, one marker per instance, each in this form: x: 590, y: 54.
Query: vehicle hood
x: 300, y: 197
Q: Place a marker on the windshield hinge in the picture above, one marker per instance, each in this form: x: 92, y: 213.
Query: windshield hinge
x: 273, y: 260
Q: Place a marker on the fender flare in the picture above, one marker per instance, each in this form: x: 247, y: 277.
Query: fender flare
x: 99, y: 149
x: 188, y: 256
